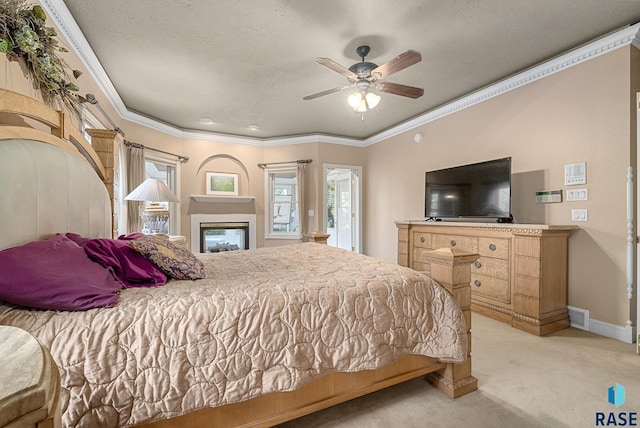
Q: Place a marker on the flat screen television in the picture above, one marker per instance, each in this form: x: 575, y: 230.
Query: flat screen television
x: 481, y: 190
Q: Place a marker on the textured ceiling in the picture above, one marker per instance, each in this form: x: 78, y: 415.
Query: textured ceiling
x: 242, y: 62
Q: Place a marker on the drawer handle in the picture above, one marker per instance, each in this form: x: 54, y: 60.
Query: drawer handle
x: 453, y: 243
x: 492, y: 247
x: 422, y: 239
x: 477, y: 283
x: 478, y: 264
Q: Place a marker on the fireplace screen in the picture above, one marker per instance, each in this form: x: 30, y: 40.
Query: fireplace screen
x: 217, y: 237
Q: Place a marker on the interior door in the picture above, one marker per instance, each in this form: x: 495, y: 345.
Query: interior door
x: 342, y: 206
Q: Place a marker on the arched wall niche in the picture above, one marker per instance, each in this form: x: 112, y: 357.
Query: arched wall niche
x: 244, y: 181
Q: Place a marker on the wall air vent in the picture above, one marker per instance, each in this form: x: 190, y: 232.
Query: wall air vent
x: 579, y: 318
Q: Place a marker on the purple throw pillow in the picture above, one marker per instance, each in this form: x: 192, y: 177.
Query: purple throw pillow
x: 127, y: 265
x: 55, y: 274
x: 78, y: 239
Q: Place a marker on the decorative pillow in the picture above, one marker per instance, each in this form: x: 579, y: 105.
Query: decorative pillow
x: 55, y: 274
x: 127, y: 265
x: 175, y: 261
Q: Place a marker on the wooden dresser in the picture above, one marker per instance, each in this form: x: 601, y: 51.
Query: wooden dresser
x: 521, y: 276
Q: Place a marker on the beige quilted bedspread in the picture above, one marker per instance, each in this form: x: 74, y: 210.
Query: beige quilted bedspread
x: 264, y: 320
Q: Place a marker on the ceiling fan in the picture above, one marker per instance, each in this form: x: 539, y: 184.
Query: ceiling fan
x: 365, y: 76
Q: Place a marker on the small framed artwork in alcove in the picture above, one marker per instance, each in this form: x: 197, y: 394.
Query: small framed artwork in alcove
x: 221, y: 183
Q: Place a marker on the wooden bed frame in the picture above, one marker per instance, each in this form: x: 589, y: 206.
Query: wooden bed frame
x: 451, y: 268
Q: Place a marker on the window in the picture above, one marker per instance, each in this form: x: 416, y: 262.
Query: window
x: 89, y: 121
x: 165, y: 170
x: 282, y: 217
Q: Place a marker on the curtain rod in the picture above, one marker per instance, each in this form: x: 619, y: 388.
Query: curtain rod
x: 264, y: 165
x: 182, y: 159
x: 91, y: 99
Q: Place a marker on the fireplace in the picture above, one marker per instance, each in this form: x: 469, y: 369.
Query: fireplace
x: 226, y: 236
x: 222, y: 232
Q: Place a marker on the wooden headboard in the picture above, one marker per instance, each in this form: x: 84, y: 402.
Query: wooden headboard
x: 51, y: 180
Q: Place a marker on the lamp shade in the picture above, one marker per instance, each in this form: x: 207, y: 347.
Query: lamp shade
x: 153, y: 190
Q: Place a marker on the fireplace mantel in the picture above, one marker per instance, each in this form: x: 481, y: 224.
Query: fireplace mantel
x: 222, y: 199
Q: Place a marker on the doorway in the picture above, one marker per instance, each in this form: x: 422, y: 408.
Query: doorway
x: 342, y: 201
x: 631, y: 235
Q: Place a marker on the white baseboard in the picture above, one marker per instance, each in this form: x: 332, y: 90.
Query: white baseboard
x: 625, y: 334
x: 579, y: 318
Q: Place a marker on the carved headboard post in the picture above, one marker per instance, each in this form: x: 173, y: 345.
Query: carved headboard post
x: 105, y: 142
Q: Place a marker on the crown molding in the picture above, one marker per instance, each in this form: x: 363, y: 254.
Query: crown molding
x: 606, y: 44
x: 60, y: 15
x: 58, y: 12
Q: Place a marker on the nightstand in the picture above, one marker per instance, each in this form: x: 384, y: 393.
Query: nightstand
x: 30, y: 382
x: 178, y: 240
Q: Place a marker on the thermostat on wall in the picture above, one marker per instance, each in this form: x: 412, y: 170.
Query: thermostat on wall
x: 575, y: 173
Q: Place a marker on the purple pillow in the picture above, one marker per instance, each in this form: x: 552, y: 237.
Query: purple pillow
x: 128, y: 266
x: 55, y: 274
x: 78, y: 239
x: 131, y: 236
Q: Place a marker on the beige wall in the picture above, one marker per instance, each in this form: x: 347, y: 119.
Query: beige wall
x: 244, y: 159
x: 582, y: 114
x: 578, y: 115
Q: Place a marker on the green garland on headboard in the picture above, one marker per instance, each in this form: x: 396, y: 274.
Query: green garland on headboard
x: 25, y: 38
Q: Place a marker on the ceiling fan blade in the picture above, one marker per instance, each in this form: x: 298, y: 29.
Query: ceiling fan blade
x: 327, y: 92
x: 331, y: 64
x: 398, y: 63
x: 398, y: 89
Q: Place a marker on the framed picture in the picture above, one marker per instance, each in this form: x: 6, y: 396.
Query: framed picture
x: 221, y: 183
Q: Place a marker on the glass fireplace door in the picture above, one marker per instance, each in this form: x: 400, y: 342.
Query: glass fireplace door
x: 217, y: 237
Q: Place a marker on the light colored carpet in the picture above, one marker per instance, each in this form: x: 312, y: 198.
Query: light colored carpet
x: 560, y: 380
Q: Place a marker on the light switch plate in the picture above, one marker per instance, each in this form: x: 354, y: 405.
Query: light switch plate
x: 579, y: 215
x: 577, y: 194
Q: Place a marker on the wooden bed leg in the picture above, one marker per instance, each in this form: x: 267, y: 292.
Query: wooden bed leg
x: 451, y: 268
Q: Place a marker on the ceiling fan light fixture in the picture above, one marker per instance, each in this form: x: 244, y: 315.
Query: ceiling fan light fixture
x: 363, y: 101
x: 365, y: 75
x: 354, y: 100
x: 372, y: 99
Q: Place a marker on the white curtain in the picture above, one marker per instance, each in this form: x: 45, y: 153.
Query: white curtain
x: 302, y: 168
x: 134, y: 175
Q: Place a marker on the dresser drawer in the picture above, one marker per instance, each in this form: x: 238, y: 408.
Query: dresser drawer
x: 495, y: 268
x: 466, y: 243
x: 422, y: 240
x: 493, y: 288
x: 493, y: 247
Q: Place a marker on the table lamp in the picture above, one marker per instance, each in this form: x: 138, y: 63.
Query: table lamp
x: 154, y: 216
